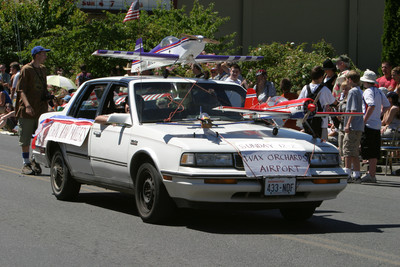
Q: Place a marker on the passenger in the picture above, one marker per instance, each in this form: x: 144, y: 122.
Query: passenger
x: 376, y: 103
x: 162, y: 102
x: 264, y: 89
x: 391, y: 118
x: 319, y: 127
x: 353, y: 128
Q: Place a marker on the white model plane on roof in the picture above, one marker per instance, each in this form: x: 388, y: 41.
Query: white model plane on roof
x: 170, y: 51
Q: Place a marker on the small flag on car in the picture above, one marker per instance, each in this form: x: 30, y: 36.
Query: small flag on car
x: 133, y: 12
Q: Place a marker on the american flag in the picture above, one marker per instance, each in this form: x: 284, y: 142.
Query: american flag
x: 133, y: 12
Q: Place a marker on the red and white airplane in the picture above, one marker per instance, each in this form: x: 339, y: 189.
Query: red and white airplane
x: 279, y: 108
x: 172, y: 50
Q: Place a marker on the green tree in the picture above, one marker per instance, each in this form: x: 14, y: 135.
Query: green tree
x: 391, y: 32
x: 287, y: 61
x: 73, y: 36
x: 24, y: 20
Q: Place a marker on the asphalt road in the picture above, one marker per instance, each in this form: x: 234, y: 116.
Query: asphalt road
x: 101, y: 228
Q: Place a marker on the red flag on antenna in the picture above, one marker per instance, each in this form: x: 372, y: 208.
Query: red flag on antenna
x: 133, y: 12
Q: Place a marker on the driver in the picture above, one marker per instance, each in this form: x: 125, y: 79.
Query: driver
x: 102, y: 119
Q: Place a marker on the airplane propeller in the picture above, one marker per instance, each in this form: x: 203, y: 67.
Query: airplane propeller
x: 311, y: 108
x: 200, y: 38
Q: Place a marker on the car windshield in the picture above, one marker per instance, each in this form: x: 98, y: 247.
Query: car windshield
x: 163, y: 101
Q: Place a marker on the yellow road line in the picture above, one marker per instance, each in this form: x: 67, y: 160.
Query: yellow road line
x: 344, y: 248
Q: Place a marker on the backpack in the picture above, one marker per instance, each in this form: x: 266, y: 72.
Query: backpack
x: 316, y: 122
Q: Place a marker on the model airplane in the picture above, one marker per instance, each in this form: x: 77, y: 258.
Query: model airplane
x: 279, y: 108
x: 171, y: 51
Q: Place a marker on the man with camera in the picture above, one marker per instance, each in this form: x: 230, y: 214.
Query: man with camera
x: 32, y: 101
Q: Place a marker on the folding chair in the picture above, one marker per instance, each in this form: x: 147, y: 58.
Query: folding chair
x: 392, y: 150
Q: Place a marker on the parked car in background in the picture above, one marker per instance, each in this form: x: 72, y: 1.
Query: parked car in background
x: 173, y: 150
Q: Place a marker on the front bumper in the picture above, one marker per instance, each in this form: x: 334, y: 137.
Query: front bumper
x: 188, y: 191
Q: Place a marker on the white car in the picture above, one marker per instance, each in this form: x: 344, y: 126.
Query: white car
x: 174, y: 150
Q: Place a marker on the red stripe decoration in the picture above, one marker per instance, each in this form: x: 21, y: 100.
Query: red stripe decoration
x: 154, y: 96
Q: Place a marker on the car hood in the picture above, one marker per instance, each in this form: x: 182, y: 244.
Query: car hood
x: 227, y: 136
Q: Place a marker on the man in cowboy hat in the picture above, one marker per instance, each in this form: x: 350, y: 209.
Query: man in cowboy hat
x: 375, y: 104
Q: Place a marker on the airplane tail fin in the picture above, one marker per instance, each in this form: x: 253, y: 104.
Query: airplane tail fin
x: 139, y: 45
x: 251, y: 98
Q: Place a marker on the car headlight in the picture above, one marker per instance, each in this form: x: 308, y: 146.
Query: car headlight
x: 207, y: 159
x: 321, y: 159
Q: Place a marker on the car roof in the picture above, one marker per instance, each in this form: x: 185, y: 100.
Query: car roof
x: 128, y: 79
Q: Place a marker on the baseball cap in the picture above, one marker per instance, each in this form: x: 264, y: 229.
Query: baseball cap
x: 260, y: 72
x: 38, y: 49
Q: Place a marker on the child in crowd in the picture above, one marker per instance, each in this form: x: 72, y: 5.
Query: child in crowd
x: 345, y: 88
x: 353, y: 128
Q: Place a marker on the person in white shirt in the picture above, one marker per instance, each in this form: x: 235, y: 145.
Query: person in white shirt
x: 234, y: 74
x: 325, y: 100
x: 375, y: 104
x: 15, y: 70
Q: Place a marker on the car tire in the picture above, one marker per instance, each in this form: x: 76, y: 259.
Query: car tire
x: 298, y: 213
x: 63, y: 185
x: 153, y: 203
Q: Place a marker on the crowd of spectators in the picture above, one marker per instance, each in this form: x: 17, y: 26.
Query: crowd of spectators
x: 338, y: 88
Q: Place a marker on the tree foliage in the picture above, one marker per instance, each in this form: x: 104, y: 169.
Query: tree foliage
x: 23, y: 21
x: 288, y: 61
x: 391, y: 32
x: 73, y: 35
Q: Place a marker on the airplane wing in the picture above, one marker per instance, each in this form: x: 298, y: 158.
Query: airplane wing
x: 222, y: 58
x: 282, y: 114
x: 145, y: 56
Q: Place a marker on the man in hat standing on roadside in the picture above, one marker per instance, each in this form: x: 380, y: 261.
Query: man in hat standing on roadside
x: 343, y: 65
x: 330, y: 73
x: 375, y: 104
x: 32, y: 101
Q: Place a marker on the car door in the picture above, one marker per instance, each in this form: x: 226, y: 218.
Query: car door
x: 84, y: 107
x: 109, y: 144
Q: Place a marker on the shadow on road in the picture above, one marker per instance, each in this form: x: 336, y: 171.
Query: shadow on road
x: 385, y: 183
x: 237, y: 222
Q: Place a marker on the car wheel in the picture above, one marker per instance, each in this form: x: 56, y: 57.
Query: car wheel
x: 152, y: 200
x: 63, y: 185
x: 298, y: 213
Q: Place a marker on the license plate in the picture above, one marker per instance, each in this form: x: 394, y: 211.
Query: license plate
x: 280, y: 186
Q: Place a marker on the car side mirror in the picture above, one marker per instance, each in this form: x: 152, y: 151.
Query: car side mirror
x: 120, y: 119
